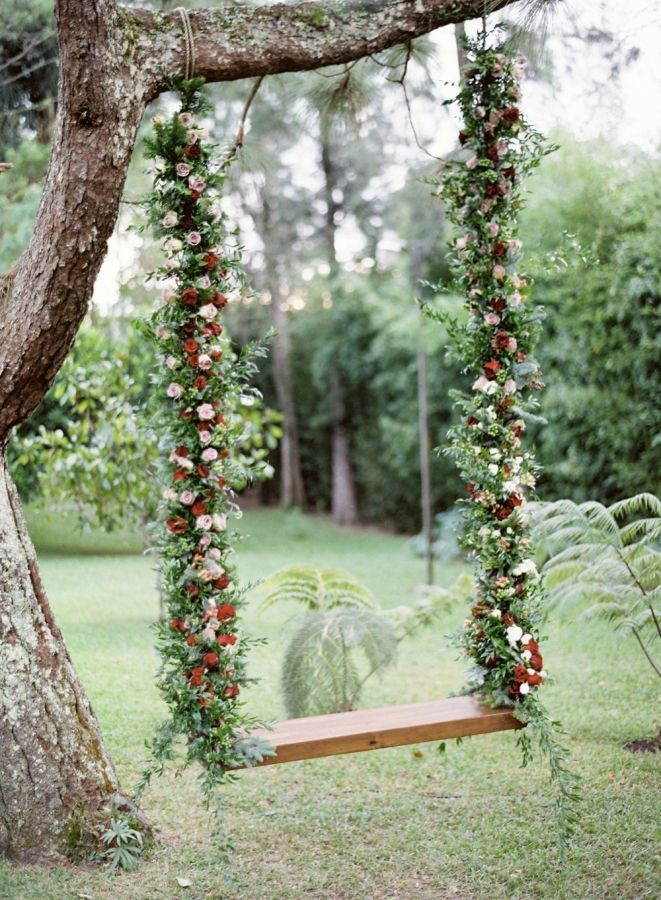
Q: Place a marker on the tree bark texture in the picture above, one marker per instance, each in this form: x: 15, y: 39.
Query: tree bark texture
x: 113, y: 61
x: 52, y: 759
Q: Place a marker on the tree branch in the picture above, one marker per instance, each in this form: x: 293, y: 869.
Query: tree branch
x: 244, y: 42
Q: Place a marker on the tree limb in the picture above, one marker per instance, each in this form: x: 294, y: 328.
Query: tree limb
x: 242, y: 41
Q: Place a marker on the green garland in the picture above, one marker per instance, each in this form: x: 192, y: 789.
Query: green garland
x: 482, y: 190
x: 203, y: 383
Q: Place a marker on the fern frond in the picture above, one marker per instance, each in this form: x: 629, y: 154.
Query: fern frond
x: 316, y: 589
x: 632, y: 506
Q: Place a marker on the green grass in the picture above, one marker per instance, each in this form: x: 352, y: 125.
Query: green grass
x: 403, y: 823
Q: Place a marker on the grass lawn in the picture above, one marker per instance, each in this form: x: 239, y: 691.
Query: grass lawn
x: 403, y: 823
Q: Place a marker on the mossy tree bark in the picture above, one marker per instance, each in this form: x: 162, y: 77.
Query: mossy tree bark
x: 113, y: 61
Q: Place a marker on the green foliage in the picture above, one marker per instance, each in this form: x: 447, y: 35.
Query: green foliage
x: 610, y: 557
x: 331, y: 655
x: 123, y: 843
x: 601, y: 286
x: 318, y: 590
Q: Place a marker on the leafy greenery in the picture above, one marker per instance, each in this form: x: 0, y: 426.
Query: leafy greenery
x: 124, y: 844
x: 610, y: 557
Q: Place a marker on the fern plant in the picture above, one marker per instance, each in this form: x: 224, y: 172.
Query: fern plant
x: 330, y: 657
x: 610, y: 556
x: 345, y: 638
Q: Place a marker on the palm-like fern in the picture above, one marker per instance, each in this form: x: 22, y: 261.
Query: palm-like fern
x: 609, y: 555
x: 316, y: 589
x: 330, y: 657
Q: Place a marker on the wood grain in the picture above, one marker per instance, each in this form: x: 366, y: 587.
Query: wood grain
x: 389, y: 726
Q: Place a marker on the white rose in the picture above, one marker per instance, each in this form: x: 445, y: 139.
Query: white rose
x: 493, y: 469
x: 514, y: 634
x: 525, y: 688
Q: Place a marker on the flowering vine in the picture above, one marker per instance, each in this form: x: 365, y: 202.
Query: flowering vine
x: 482, y: 190
x: 203, y: 383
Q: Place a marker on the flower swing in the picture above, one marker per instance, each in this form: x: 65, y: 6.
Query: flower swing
x: 203, y: 649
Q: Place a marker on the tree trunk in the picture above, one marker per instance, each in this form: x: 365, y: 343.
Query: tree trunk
x: 344, y: 508
x: 292, y: 491
x: 53, y: 764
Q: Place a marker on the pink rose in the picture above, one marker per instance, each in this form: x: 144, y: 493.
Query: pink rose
x: 170, y: 219
x: 172, y: 362
x: 182, y: 170
x: 205, y: 411
x: 510, y: 386
x: 515, y: 300
x: 163, y: 333
x: 186, y: 119
x: 208, y: 311
x: 205, y: 541
x: 204, y: 282
x: 205, y: 437
x: 187, y: 498
x: 192, y: 136
x: 219, y: 522
x: 494, y: 228
x: 196, y: 183
x: 204, y: 361
x: 203, y: 523
x: 214, y: 553
x: 209, y: 454
x: 499, y: 272
x: 492, y: 318
x: 194, y: 238
x: 471, y: 162
x: 174, y: 390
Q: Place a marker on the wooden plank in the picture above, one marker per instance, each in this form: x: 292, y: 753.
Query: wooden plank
x: 389, y: 726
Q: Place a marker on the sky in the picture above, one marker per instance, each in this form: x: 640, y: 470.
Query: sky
x: 584, y: 99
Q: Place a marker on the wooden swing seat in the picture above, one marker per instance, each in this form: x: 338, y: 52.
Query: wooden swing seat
x: 389, y: 726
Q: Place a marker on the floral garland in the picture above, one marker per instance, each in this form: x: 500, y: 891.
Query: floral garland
x: 202, y: 646
x: 482, y: 189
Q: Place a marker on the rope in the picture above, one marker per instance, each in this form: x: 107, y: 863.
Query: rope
x: 189, y: 68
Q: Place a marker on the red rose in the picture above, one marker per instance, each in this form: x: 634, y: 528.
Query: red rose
x: 508, y: 619
x: 219, y: 300
x: 177, y: 525
x: 191, y: 345
x: 221, y: 583
x: 532, y: 645
x: 509, y: 172
x: 491, y: 368
x: 178, y: 625
x: 502, y: 513
x: 186, y: 414
x: 232, y: 690
x: 192, y: 151
x: 520, y: 356
x: 181, y: 450
x: 201, y: 382
x: 534, y: 680
x: 195, y: 195
x: 193, y: 590
x: 220, y: 420
x: 501, y: 340
x: 470, y: 488
x: 217, y: 354
x: 498, y: 304
x: 210, y: 659
x: 226, y: 640
x: 226, y: 611
x: 196, y: 676
x: 499, y: 249
x: 511, y: 115
x: 194, y: 360
x: 216, y: 328
x: 536, y: 661
x: 492, y: 152
x: 198, y: 508
x: 210, y: 260
x: 189, y: 296
x: 221, y: 481
x: 180, y: 474
x: 203, y: 471
x: 463, y: 137
x: 188, y: 222
x: 189, y: 326
x: 491, y: 191
x: 191, y: 640
x: 515, y: 499
x: 520, y: 674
